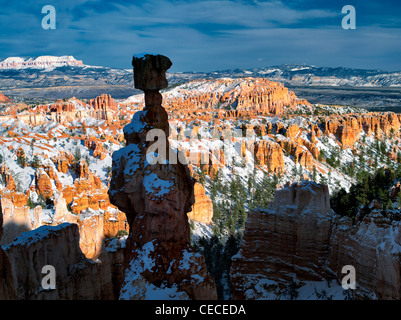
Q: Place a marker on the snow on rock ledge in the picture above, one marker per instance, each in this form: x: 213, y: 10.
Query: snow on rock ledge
x: 58, y: 246
x: 299, y: 238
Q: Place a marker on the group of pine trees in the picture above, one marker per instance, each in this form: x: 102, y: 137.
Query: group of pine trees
x: 370, y: 186
x: 235, y: 197
x: 232, y: 200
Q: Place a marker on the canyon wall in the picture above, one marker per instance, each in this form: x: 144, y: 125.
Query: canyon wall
x: 77, y: 278
x: 300, y: 237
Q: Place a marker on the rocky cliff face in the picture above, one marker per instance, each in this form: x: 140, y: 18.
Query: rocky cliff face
x: 7, y: 289
x: 347, y: 128
x: 202, y: 209
x: 103, y: 102
x: 299, y: 237
x: 76, y: 276
x: 156, y: 198
x: 269, y: 154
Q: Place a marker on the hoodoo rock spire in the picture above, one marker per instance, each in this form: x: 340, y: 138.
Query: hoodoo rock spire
x: 156, y: 197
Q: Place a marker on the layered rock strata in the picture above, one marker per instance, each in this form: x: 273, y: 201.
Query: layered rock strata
x: 300, y: 237
x: 348, y: 128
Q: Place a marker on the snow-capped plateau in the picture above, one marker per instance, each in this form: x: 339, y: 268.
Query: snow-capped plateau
x: 41, y: 62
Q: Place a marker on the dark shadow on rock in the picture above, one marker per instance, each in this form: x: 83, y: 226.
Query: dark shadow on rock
x: 7, y: 290
x: 117, y: 267
x: 12, y: 230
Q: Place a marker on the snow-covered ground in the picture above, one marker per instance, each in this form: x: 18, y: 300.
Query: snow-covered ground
x: 265, y: 289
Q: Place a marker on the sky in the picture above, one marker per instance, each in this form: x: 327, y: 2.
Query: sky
x: 207, y: 35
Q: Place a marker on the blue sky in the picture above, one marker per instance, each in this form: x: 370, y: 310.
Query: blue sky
x: 207, y: 35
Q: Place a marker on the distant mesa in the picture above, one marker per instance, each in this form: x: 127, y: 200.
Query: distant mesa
x: 42, y: 62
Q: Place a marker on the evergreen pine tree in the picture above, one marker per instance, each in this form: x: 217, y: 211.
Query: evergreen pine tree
x: 77, y: 154
x: 35, y: 162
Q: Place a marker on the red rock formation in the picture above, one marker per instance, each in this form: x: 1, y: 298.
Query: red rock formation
x: 87, y: 192
x: 114, y: 221
x: 246, y: 96
x: 202, y: 210
x: 269, y: 154
x: 306, y: 160
x: 82, y: 169
x: 286, y: 236
x: 59, y: 107
x: 373, y: 249
x: 156, y: 200
x: 21, y: 154
x: 314, y: 150
x: 271, y: 100
x: 91, y: 234
x: 61, y: 213
x: 18, y: 199
x: 43, y: 184
x: 37, y: 217
x: 299, y: 153
x: 97, y: 146
x: 103, y: 102
x: 292, y: 131
x: 63, y: 162
x: 4, y: 99
x: 347, y: 128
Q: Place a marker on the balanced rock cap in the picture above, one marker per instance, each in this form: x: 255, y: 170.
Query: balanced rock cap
x: 150, y: 71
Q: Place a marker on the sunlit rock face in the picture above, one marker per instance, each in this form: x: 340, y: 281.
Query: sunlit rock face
x: 156, y: 197
x: 202, y: 210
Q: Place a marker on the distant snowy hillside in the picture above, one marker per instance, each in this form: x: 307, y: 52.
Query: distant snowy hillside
x: 42, y: 62
x: 54, y: 78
